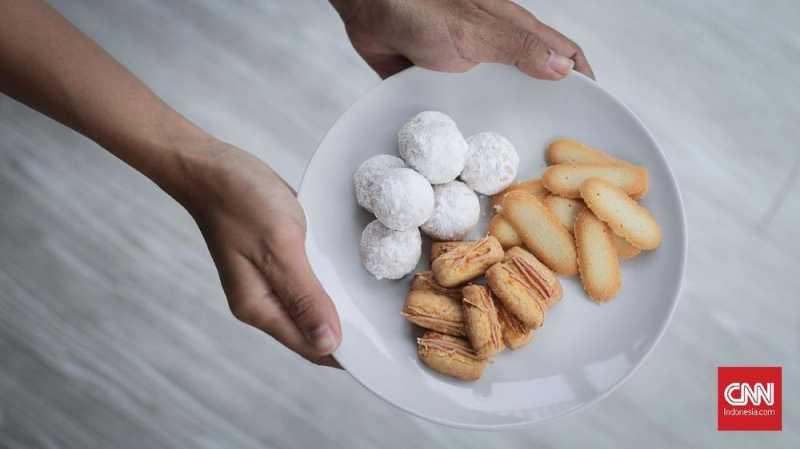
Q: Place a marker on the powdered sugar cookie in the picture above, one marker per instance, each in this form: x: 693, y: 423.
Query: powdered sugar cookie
x: 431, y: 144
x: 403, y: 199
x: 456, y: 211
x: 387, y: 253
x: 491, y: 164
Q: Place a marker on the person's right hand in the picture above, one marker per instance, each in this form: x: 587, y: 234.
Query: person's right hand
x: 455, y: 35
x: 255, y: 230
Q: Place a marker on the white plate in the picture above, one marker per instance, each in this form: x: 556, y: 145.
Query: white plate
x: 585, y: 350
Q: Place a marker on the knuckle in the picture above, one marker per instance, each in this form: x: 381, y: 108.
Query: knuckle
x: 458, y: 34
x: 529, y: 44
x: 301, y: 306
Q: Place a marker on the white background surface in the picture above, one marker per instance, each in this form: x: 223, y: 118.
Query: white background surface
x: 113, y: 328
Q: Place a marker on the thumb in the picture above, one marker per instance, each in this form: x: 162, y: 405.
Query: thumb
x: 306, y: 302
x: 493, y: 40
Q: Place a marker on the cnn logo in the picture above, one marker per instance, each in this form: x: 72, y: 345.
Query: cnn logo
x: 749, y: 398
x: 741, y: 393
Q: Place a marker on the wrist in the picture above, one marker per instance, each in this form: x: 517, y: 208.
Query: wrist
x: 175, y: 156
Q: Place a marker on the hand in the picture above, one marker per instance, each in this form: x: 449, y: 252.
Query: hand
x: 255, y: 231
x: 456, y: 35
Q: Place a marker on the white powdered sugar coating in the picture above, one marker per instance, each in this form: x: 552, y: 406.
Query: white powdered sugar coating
x: 390, y: 254
x: 432, y: 144
x: 491, y: 164
x: 368, y: 173
x: 403, y: 199
x: 455, y: 213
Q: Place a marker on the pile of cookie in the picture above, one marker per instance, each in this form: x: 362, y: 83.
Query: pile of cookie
x: 581, y: 217
x: 468, y: 323
x: 432, y: 187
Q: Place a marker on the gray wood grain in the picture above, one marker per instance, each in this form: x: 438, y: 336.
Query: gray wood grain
x: 113, y: 327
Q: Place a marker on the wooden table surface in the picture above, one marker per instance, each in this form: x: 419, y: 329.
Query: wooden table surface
x: 114, y: 332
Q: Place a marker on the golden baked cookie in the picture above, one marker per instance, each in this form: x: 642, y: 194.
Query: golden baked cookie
x: 541, y: 232
x: 500, y: 228
x: 571, y: 151
x: 451, y: 356
x: 466, y: 262
x: 532, y: 186
x: 515, y: 333
x: 624, y: 216
x: 598, y: 263
x: 481, y: 324
x: 565, y: 179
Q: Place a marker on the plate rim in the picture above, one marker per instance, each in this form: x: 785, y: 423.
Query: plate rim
x: 682, y: 231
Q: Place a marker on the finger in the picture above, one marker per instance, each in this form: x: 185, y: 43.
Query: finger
x: 495, y: 40
x: 289, y: 274
x: 561, y: 43
x: 522, y: 18
x: 253, y: 302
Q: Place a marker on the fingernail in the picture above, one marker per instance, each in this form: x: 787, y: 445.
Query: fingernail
x: 322, y: 338
x: 560, y: 64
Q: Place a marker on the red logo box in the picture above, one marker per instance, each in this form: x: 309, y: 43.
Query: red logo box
x: 749, y: 398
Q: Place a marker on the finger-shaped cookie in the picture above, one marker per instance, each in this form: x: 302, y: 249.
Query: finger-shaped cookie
x: 515, y: 334
x: 532, y: 186
x: 451, y: 356
x: 481, y: 324
x: 432, y: 306
x: 541, y: 232
x: 464, y: 263
x: 439, y: 248
x: 625, y: 250
x: 504, y: 232
x: 571, y: 151
x: 624, y: 216
x: 598, y: 263
x: 565, y: 209
x: 565, y: 179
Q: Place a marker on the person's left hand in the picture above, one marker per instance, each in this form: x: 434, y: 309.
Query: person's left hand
x: 455, y: 35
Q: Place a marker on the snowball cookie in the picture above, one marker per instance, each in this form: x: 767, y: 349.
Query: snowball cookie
x: 491, y: 164
x: 455, y: 212
x: 387, y: 253
x: 368, y: 173
x: 431, y: 144
x: 403, y: 199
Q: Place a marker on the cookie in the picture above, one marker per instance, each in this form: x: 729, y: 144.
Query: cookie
x: 431, y: 310
x: 515, y: 334
x: 565, y: 179
x: 598, y: 263
x: 524, y: 286
x: 504, y: 232
x: 532, y: 186
x: 565, y: 209
x: 451, y: 356
x: 439, y: 248
x: 424, y: 280
x: 624, y: 216
x: 541, y: 232
x: 528, y: 263
x: 481, y: 324
x: 464, y: 263
x: 571, y: 151
x: 625, y: 250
